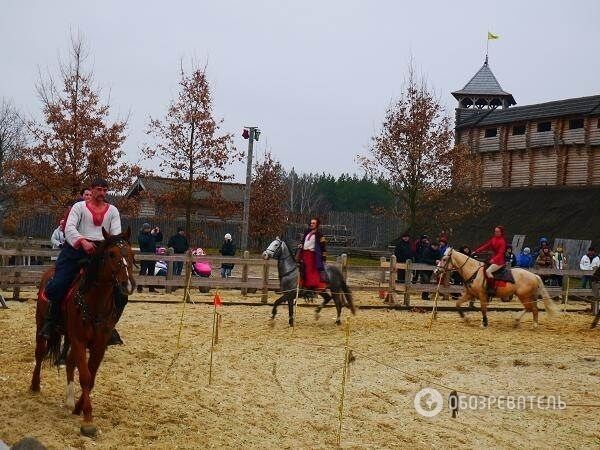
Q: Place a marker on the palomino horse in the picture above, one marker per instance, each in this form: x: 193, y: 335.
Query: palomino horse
x: 89, y: 315
x: 527, y: 286
x: 289, y: 279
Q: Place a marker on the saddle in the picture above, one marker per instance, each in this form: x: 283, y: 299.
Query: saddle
x: 500, y: 277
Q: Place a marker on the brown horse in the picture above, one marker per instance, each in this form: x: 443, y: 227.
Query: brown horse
x: 527, y: 286
x: 89, y: 315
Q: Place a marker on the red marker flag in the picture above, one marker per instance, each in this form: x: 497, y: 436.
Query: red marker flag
x: 217, y: 300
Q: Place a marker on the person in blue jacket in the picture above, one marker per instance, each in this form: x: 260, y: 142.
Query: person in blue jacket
x: 525, y: 259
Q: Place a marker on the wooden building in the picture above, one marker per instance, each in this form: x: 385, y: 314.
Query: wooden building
x: 149, y: 191
x: 546, y: 144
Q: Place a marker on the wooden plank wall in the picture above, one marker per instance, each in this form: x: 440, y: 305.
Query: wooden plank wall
x: 520, y: 169
x: 544, y: 167
x: 560, y: 157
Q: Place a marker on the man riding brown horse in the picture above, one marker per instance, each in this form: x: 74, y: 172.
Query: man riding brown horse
x: 83, y: 233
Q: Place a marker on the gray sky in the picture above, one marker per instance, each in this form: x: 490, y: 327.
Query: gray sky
x: 315, y: 76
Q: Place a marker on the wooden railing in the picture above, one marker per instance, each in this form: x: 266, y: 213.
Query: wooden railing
x: 258, y: 274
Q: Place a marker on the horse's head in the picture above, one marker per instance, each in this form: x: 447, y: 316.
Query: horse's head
x: 274, y: 249
x: 119, y: 262
x: 445, y: 262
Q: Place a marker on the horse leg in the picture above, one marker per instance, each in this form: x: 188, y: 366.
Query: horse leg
x: 85, y: 380
x: 40, y: 352
x: 276, y: 303
x: 519, y: 316
x: 96, y: 356
x: 70, y: 394
x: 41, y: 346
x: 326, y: 299
x: 534, y: 310
x: 337, y: 298
x: 291, y: 299
x: 484, y: 319
x: 463, y: 298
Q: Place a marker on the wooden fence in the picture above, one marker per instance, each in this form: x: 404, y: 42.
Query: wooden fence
x: 367, y: 229
x: 258, y: 274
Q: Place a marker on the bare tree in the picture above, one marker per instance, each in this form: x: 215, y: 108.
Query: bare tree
x: 304, y: 197
x: 12, y: 137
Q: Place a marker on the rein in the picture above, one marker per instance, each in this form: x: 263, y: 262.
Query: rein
x: 80, y: 302
x: 294, y: 268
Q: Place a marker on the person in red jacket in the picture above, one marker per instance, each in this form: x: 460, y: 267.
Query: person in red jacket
x: 497, y: 245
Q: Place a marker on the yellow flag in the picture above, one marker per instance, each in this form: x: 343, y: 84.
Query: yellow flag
x: 492, y: 36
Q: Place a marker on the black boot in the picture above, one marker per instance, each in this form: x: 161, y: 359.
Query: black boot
x: 51, y: 320
x: 490, y: 292
x: 120, y: 302
x: 115, y: 339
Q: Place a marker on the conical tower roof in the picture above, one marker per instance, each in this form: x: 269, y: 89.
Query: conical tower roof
x: 484, y: 84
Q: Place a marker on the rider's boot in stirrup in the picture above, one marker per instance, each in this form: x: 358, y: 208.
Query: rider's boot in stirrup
x: 51, y: 320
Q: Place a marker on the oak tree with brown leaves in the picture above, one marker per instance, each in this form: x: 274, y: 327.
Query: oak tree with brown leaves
x: 75, y: 142
x: 192, y: 150
x: 268, y: 197
x: 430, y: 177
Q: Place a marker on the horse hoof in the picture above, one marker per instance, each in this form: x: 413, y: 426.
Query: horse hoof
x: 338, y: 322
x: 35, y: 388
x: 534, y: 326
x: 88, y: 429
x: 291, y: 322
x: 516, y: 323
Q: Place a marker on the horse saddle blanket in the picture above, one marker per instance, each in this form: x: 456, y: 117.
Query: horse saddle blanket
x: 503, y: 274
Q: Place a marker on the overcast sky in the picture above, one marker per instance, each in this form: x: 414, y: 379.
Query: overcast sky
x: 315, y: 76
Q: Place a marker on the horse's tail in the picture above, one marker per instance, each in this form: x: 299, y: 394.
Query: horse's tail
x: 53, y: 349
x: 549, y: 304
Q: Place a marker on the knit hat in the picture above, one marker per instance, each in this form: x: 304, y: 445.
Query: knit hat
x: 227, y: 237
x: 526, y: 251
x: 146, y: 225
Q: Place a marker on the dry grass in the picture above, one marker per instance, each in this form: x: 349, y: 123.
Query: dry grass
x: 275, y: 389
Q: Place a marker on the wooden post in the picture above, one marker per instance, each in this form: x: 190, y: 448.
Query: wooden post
x: 265, y: 282
x: 17, y: 289
x: 596, y: 297
x: 407, y: 282
x: 169, y: 289
x: 393, y: 275
x: 246, y: 255
x: 381, y: 292
x: 345, y: 267
x: 565, y: 288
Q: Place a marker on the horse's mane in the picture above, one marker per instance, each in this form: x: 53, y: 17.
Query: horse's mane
x: 93, y: 267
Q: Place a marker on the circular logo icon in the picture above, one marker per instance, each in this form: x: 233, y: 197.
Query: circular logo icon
x: 429, y: 402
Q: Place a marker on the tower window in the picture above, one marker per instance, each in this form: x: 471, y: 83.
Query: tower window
x: 544, y: 126
x: 491, y: 132
x: 575, y: 123
x: 518, y: 130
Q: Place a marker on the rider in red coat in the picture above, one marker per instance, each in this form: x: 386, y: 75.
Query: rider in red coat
x: 497, y: 244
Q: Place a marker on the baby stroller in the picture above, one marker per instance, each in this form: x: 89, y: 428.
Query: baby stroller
x: 201, y: 268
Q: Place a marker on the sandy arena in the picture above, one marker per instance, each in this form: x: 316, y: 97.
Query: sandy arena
x: 275, y: 389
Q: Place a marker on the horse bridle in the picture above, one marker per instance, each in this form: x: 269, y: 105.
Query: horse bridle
x: 469, y: 280
x: 280, y: 251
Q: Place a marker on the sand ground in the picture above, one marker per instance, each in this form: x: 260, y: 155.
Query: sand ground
x: 276, y: 389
